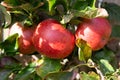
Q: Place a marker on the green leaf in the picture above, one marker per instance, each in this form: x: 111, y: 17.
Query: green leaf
x: 59, y: 76
x: 106, y: 67
x: 88, y: 13
x: 84, y: 9
x: 4, y: 74
x: 21, y: 16
x: 36, y: 77
x: 84, y: 51
x: 89, y: 76
x: 2, y: 19
x: 10, y: 45
x: 51, y: 4
x: 106, y: 61
x: 104, y: 54
x: 91, y: 3
x: 26, y: 73
x: 82, y: 4
x: 48, y: 66
x: 5, y: 15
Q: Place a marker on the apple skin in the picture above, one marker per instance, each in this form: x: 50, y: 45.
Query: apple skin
x: 53, y: 40
x: 25, y: 37
x: 95, y: 32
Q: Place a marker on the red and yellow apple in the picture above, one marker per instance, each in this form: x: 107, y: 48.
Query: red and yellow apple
x: 95, y: 32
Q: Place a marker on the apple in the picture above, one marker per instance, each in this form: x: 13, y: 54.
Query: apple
x: 95, y: 32
x: 25, y: 37
x: 52, y: 40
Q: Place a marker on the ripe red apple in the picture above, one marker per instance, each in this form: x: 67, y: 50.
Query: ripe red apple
x: 53, y: 40
x: 25, y: 37
x: 95, y: 32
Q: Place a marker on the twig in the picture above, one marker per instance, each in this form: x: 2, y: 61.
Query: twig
x: 97, y: 70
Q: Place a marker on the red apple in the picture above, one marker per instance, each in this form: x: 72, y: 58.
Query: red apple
x: 25, y: 37
x: 95, y: 32
x: 53, y: 40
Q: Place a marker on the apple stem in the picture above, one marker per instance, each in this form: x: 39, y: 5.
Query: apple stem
x: 100, y: 3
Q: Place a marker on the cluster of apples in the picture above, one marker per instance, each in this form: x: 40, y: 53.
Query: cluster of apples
x: 51, y: 39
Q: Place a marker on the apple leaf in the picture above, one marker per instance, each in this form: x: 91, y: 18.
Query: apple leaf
x: 6, y: 17
x: 26, y: 73
x: 104, y: 66
x: 60, y: 5
x: 51, y: 4
x: 59, y: 76
x: 4, y: 74
x: 84, y: 9
x: 84, y: 51
x: 36, y: 77
x: 47, y: 66
x: 88, y: 13
x: 82, y: 4
x: 2, y: 20
x: 104, y: 54
x: 10, y: 45
x: 104, y: 59
x: 90, y: 76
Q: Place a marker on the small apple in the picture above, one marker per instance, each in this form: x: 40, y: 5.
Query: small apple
x: 95, y: 32
x: 53, y: 40
x: 25, y: 37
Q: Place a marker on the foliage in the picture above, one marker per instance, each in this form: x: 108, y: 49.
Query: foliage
x: 89, y: 65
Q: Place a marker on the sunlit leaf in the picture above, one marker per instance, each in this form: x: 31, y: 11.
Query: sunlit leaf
x: 84, y: 51
x: 51, y: 4
x: 89, y: 76
x: 48, y: 65
x: 88, y: 13
x: 84, y: 9
x: 106, y: 67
